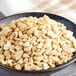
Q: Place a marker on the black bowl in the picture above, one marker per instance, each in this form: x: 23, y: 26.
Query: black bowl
x: 7, y: 71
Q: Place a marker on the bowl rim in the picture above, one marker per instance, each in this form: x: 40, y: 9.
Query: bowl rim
x: 47, y: 70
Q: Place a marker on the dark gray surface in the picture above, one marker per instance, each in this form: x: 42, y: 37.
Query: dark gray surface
x: 68, y: 71
x: 1, y: 15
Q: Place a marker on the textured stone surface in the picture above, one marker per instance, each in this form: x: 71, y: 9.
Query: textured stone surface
x: 68, y: 71
x: 1, y: 15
